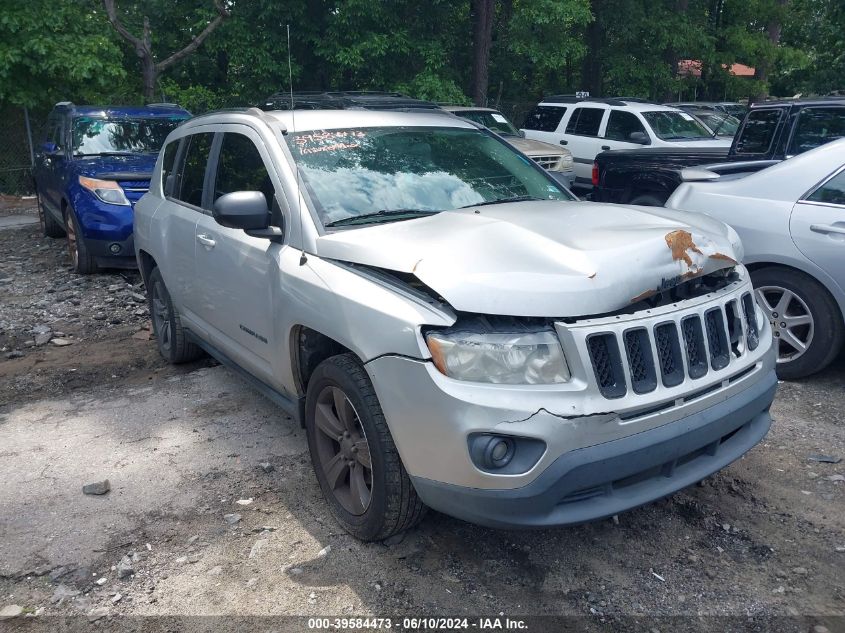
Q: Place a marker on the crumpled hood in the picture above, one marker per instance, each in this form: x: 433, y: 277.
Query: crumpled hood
x: 547, y: 259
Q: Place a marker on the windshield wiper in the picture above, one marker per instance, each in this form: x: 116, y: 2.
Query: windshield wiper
x: 370, y: 218
x: 503, y: 200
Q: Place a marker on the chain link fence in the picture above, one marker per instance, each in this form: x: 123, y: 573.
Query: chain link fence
x: 17, y: 141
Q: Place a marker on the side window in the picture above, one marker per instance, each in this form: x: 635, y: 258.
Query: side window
x: 189, y: 180
x: 817, y: 126
x: 758, y: 132
x: 169, y: 155
x: 241, y: 168
x: 831, y: 192
x: 621, y: 125
x: 544, y: 118
x: 585, y: 121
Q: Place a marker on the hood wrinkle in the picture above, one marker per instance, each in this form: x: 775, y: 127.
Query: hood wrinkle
x: 542, y: 259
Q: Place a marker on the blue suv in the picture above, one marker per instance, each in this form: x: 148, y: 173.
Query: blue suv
x: 94, y: 164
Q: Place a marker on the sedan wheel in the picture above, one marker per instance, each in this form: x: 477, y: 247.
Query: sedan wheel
x: 343, y: 450
x: 791, y: 321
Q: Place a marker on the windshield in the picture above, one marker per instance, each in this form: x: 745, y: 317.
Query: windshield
x: 491, y: 120
x: 721, y: 124
x: 736, y: 110
x: 93, y: 135
x: 670, y: 125
x: 416, y: 170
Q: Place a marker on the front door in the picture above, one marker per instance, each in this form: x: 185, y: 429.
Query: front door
x: 817, y: 226
x: 235, y: 273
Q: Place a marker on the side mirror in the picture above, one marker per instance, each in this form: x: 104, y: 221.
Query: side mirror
x: 245, y: 210
x: 49, y: 148
x: 639, y: 137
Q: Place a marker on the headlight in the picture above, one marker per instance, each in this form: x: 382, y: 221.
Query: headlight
x: 565, y: 163
x: 106, y: 190
x: 509, y: 358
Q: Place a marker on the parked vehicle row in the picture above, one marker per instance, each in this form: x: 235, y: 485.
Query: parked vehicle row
x: 771, y: 132
x: 453, y: 329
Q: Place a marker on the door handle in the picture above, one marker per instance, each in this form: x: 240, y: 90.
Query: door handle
x: 605, y: 146
x: 564, y: 142
x: 826, y: 228
x: 206, y: 241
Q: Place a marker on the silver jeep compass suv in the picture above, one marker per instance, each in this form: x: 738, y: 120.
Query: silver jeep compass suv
x: 450, y: 326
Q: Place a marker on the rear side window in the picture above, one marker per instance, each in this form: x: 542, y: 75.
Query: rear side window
x: 831, y: 192
x: 758, y: 133
x: 241, y: 168
x: 544, y: 118
x: 189, y: 181
x: 585, y: 121
x: 621, y: 125
x: 169, y: 155
x: 817, y: 126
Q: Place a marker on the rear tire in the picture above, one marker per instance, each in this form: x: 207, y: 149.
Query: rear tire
x: 49, y: 226
x: 81, y: 260
x: 173, y: 344
x: 342, y: 412
x: 649, y: 200
x: 801, y: 311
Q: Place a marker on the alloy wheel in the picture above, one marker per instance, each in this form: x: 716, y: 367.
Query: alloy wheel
x: 343, y: 451
x: 161, y: 316
x: 791, y: 320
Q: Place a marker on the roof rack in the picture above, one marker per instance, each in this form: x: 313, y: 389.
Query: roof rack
x: 344, y: 100
x: 574, y: 99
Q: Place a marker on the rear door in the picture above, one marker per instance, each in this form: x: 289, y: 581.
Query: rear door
x: 582, y: 136
x: 817, y: 225
x: 544, y: 123
x: 236, y: 273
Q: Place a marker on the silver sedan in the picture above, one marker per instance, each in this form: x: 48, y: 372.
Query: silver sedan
x: 791, y: 218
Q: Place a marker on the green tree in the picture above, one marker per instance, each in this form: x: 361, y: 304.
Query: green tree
x: 50, y: 51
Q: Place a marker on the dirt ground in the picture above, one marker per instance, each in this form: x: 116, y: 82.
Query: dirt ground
x: 185, y: 448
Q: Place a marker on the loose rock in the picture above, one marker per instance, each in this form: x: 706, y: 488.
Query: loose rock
x: 61, y: 342
x: 97, y: 487
x: 232, y: 519
x: 124, y: 568
x: 11, y: 611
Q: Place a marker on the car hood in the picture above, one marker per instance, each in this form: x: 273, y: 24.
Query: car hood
x: 128, y: 167
x: 547, y: 259
x: 536, y: 148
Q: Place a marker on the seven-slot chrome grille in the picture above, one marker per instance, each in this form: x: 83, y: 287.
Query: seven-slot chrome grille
x: 667, y: 350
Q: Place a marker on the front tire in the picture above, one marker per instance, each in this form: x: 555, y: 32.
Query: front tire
x: 356, y: 462
x: 806, y: 322
x: 81, y: 260
x: 173, y: 344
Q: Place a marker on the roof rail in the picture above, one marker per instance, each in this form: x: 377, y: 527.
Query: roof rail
x: 163, y: 104
x: 574, y: 99
x: 63, y: 104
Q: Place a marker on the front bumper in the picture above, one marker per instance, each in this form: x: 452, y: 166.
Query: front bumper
x: 599, y: 481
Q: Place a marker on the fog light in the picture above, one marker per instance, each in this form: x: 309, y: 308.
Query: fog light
x: 115, y: 248
x: 504, y: 454
x: 497, y: 451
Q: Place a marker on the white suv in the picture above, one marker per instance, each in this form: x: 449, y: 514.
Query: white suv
x: 587, y: 127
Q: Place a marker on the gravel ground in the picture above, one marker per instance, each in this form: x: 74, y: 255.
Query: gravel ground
x: 186, y: 448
